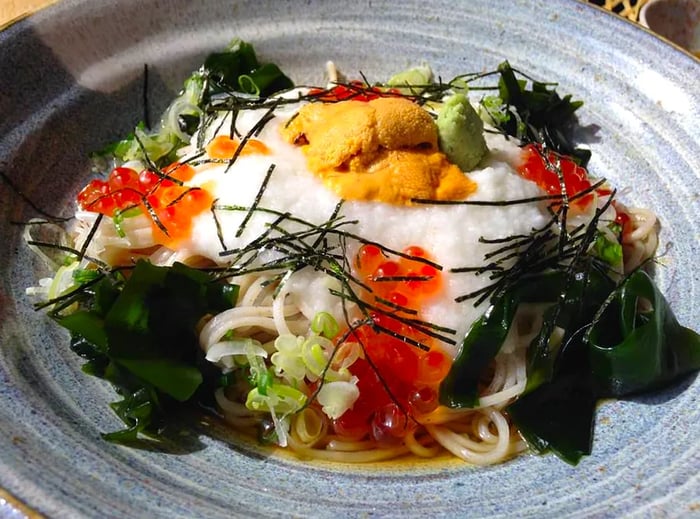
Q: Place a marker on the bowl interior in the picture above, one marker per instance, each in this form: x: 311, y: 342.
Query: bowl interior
x: 72, y: 79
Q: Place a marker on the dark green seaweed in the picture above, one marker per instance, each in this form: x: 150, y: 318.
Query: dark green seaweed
x: 139, y: 334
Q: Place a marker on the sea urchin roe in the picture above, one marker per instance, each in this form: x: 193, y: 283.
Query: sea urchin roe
x: 170, y: 205
x: 384, y: 150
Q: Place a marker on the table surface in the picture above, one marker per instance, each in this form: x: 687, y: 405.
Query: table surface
x: 14, y: 9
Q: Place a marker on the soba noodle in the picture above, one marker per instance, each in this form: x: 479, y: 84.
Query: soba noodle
x: 481, y: 435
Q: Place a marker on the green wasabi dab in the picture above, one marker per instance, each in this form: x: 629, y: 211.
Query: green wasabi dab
x: 461, y: 132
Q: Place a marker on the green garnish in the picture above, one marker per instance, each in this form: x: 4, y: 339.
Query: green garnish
x: 236, y: 69
x: 139, y: 334
x: 535, y: 114
x: 607, y: 249
x: 624, y: 351
x: 119, y: 216
x: 325, y: 324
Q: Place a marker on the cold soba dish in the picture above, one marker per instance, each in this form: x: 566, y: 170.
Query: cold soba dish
x: 358, y: 272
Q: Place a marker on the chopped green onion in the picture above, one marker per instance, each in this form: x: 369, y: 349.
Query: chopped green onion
x: 325, y: 324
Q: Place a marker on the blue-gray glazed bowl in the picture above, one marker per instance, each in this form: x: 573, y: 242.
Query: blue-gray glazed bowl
x: 71, y: 81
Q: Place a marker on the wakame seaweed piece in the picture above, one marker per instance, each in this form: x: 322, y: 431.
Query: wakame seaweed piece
x: 176, y: 379
x: 88, y: 322
x: 633, y: 351
x: 219, y: 295
x: 582, y: 292
x: 558, y: 416
x: 481, y: 344
x: 225, y: 67
x: 157, y: 311
x: 87, y: 325
x: 152, y: 326
x: 141, y: 409
x: 610, y: 349
x: 96, y: 359
x: 538, y: 114
x: 139, y: 334
x: 237, y: 69
x: 557, y: 409
x: 176, y: 304
x: 127, y: 321
x: 137, y: 411
x: 265, y: 80
x: 487, y: 334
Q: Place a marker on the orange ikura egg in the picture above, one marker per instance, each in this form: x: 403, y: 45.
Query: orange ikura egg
x: 544, y: 169
x: 411, y: 364
x: 170, y: 205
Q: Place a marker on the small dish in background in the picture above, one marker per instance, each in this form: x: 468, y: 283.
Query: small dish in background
x: 675, y: 20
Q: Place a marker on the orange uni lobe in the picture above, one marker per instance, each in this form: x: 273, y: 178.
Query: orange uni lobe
x: 385, y: 149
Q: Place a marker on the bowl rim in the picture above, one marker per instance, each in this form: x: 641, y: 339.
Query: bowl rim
x: 18, y: 503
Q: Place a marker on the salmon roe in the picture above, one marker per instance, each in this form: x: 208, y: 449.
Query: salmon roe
x: 224, y: 147
x: 541, y: 167
x: 535, y: 168
x: 355, y: 90
x: 411, y: 374
x: 624, y: 220
x: 170, y: 205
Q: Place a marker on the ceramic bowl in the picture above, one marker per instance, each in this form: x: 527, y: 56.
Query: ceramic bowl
x: 71, y: 80
x: 676, y: 20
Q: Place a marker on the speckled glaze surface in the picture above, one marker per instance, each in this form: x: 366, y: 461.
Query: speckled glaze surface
x: 70, y: 81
